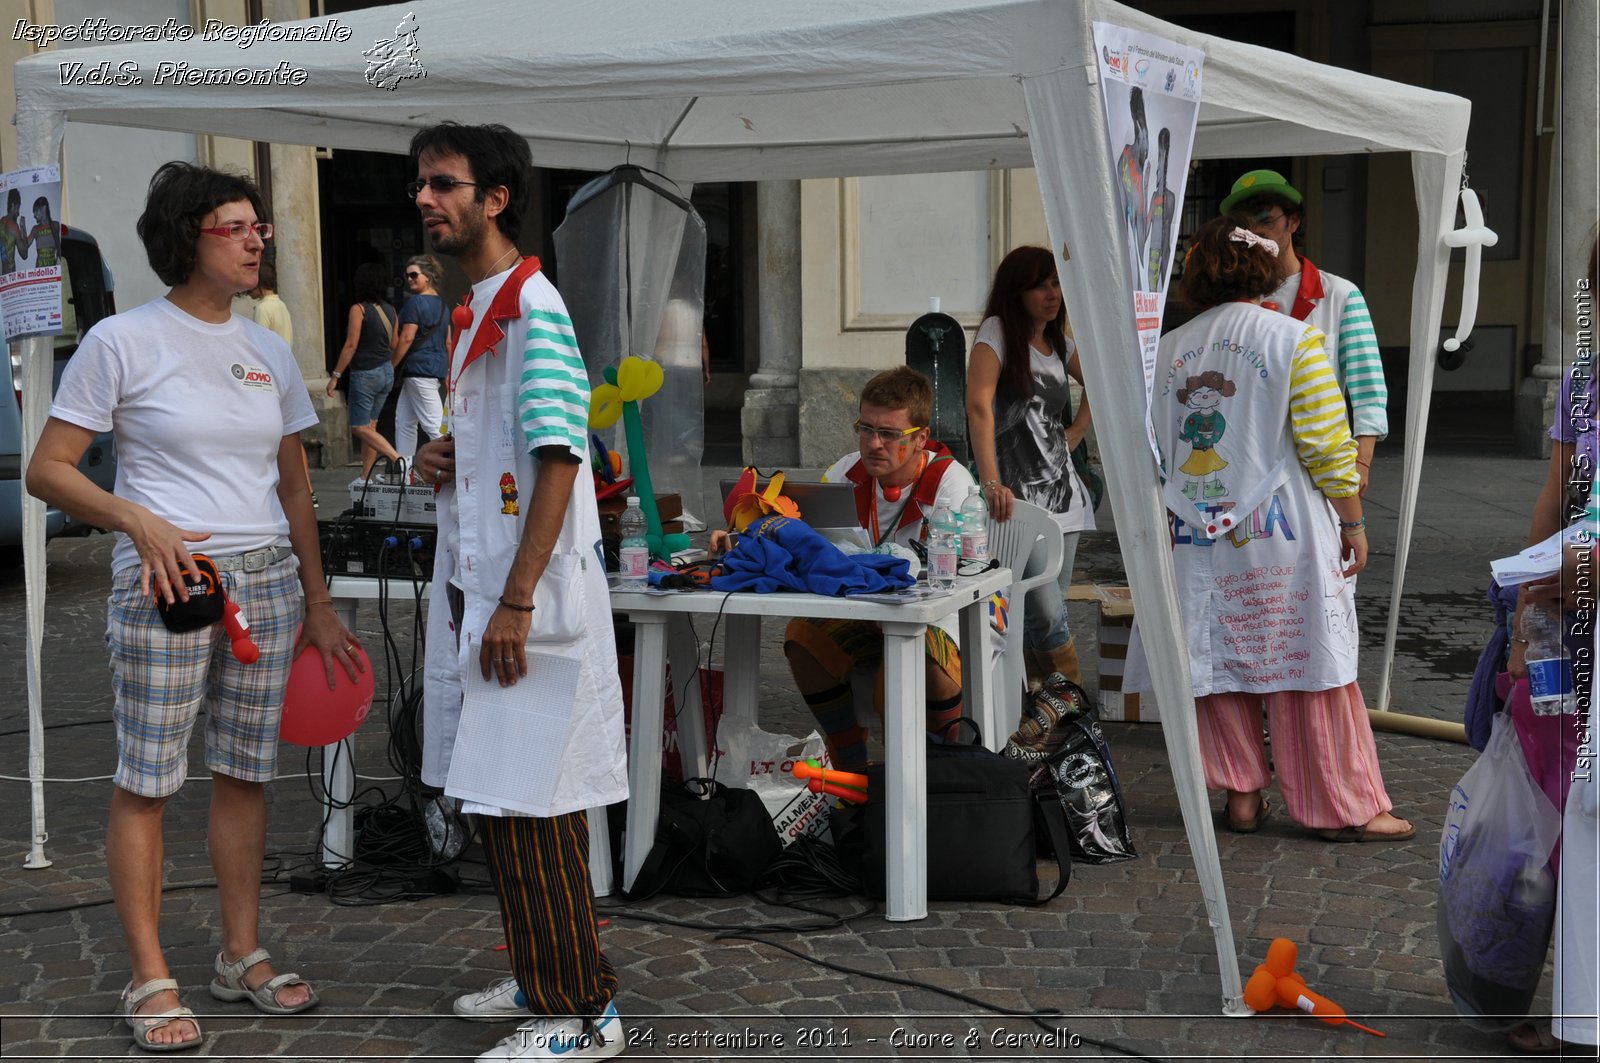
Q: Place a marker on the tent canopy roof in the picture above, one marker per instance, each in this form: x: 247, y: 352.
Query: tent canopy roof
x: 707, y: 90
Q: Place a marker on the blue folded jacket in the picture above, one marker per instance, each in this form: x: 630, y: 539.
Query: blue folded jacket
x: 782, y: 554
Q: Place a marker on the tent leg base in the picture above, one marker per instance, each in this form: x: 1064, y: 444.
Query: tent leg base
x: 1236, y: 1008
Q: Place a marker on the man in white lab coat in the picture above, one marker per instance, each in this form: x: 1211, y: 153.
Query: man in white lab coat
x: 523, y: 707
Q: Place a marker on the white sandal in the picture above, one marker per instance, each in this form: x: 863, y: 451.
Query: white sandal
x: 229, y: 985
x: 143, y: 1025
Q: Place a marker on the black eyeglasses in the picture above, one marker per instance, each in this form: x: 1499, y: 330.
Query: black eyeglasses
x: 439, y: 183
x: 1269, y: 216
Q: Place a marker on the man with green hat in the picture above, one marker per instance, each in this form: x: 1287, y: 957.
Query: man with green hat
x: 1273, y: 209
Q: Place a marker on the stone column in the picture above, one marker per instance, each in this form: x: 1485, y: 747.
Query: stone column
x: 298, y: 237
x: 1574, y: 191
x: 771, y: 415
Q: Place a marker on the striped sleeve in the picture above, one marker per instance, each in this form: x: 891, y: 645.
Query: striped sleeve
x: 1361, y: 368
x: 553, y: 398
x: 1316, y: 418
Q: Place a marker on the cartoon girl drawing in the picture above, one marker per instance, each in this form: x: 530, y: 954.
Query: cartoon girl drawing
x: 1202, y: 430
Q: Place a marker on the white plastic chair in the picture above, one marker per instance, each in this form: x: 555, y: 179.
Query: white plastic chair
x: 1030, y: 545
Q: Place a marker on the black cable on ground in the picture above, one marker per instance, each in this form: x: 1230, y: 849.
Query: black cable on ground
x: 758, y: 934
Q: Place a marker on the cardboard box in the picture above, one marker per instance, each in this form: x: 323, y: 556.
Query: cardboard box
x: 1115, y: 629
x: 411, y: 504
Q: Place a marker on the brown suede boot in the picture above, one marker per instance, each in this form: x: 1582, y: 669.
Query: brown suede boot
x: 1037, y: 666
x: 1064, y: 659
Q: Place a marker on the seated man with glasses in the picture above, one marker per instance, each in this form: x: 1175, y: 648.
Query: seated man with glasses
x: 900, y: 476
x: 1269, y: 205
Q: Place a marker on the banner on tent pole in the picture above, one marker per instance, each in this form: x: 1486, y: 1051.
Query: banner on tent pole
x: 30, y: 252
x: 1151, y: 90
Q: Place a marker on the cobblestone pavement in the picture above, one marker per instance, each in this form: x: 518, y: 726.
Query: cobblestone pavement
x: 1124, y: 957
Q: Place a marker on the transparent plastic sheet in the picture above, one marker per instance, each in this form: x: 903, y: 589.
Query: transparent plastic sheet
x: 631, y: 269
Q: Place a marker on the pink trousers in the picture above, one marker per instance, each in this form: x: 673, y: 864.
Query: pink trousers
x: 1322, y: 748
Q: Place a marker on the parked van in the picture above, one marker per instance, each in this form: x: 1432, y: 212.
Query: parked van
x: 86, y: 297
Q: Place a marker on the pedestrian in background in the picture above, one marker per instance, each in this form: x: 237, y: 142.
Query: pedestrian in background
x: 368, y: 354
x: 1023, y: 429
x: 420, y: 361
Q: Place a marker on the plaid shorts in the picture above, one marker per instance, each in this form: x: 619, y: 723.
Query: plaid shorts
x: 161, y: 679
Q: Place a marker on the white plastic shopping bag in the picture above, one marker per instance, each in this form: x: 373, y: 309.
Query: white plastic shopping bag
x: 764, y: 762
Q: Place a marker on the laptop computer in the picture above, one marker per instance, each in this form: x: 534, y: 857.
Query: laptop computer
x: 823, y: 506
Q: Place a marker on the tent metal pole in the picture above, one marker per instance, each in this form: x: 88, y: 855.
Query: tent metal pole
x: 1437, y: 179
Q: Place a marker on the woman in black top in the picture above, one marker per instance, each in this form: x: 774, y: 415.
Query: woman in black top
x: 368, y: 349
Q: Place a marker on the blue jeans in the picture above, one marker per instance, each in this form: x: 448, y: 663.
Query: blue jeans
x: 1044, y: 611
x: 369, y: 390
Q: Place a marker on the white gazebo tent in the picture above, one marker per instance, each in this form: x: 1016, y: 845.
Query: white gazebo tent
x: 704, y: 90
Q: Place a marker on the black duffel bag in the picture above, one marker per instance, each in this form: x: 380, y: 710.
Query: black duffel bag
x: 982, y: 827
x: 712, y: 840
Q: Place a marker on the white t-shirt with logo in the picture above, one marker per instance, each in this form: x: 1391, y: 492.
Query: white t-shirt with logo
x: 198, y: 411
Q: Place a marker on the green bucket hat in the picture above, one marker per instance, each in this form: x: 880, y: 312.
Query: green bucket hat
x: 1257, y: 183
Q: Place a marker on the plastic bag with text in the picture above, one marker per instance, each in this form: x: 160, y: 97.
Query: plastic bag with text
x: 763, y: 762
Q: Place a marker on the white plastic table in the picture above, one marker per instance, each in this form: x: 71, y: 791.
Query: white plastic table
x: 904, y: 625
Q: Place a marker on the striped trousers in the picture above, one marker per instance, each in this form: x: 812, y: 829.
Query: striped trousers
x: 540, y: 869
x: 1322, y: 748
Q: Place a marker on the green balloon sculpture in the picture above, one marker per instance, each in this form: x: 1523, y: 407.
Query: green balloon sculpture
x: 619, y: 397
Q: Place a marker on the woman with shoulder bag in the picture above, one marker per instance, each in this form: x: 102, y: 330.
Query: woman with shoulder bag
x: 366, y: 355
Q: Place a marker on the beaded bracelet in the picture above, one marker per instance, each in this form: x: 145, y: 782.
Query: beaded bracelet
x: 514, y: 606
x: 991, y: 483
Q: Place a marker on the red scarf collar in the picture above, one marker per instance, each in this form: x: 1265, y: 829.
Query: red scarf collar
x: 1310, y: 293
x: 507, y: 304
x: 926, y: 490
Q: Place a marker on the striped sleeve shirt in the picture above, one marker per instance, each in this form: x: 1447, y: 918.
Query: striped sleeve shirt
x: 1317, y: 420
x: 553, y: 397
x: 1361, y: 368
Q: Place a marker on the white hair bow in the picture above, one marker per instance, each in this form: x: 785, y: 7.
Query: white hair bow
x: 1245, y: 236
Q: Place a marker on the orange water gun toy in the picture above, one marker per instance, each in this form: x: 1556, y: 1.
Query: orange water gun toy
x: 845, y: 785
x: 1275, y: 982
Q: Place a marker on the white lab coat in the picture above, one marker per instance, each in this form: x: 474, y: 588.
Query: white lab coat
x: 478, y: 537
x: 1265, y: 604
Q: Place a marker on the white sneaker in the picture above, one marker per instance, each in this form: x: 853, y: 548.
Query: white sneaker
x: 564, y: 1039
x: 501, y: 1002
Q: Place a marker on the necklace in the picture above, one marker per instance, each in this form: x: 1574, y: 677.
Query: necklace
x: 461, y: 316
x: 499, y: 260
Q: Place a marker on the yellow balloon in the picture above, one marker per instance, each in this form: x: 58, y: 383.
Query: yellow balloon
x: 605, y: 406
x: 639, y: 378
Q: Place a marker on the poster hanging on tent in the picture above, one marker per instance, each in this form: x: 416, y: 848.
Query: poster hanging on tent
x: 1151, y: 90
x: 30, y: 252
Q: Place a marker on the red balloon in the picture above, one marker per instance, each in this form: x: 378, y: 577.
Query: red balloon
x: 313, y: 715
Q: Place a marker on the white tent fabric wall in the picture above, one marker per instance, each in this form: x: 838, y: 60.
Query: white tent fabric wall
x: 703, y: 90
x: 1095, y: 284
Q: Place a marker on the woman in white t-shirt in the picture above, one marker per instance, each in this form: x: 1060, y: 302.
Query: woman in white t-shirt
x: 1019, y: 414
x: 206, y: 409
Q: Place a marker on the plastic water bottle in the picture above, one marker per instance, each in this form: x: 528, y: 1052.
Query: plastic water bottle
x: 975, y: 526
x: 1549, y: 664
x: 942, y: 541
x: 635, y: 555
